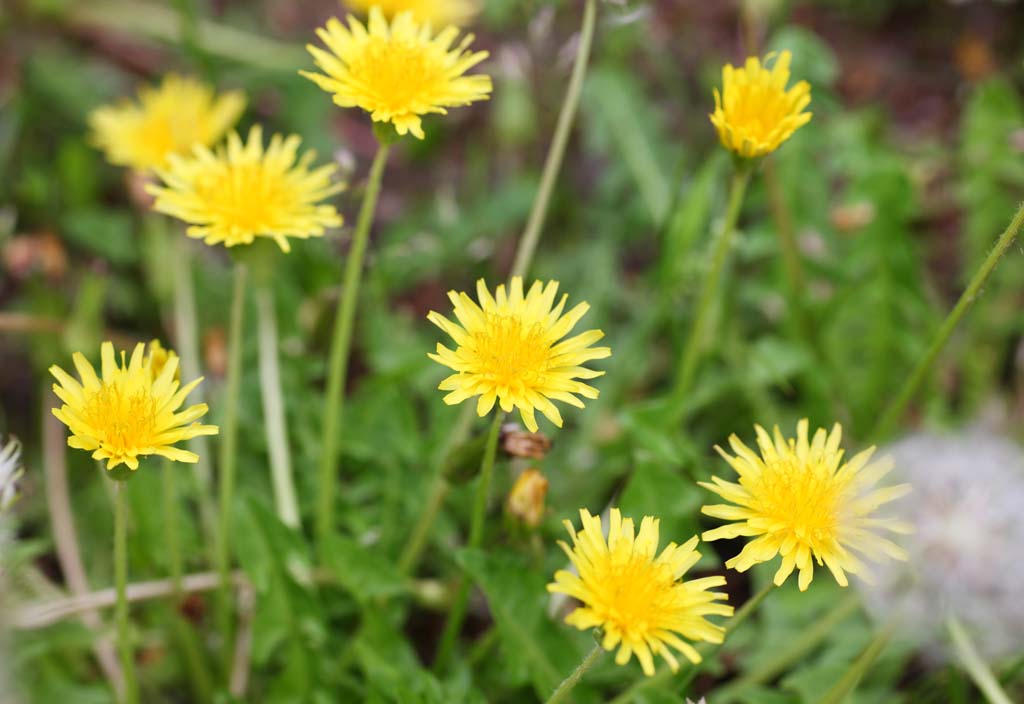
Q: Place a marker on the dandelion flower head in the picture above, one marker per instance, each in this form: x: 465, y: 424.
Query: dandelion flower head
x: 397, y: 71
x: 509, y: 350
x: 635, y: 595
x: 127, y: 411
x: 170, y: 119
x: 242, y: 191
x: 755, y: 112
x: 10, y: 472
x: 800, y: 500
x: 436, y: 13
x: 968, y: 529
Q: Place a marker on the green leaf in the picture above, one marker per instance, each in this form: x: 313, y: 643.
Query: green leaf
x: 363, y: 571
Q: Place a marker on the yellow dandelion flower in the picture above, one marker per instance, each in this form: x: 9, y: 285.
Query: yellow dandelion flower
x: 508, y: 351
x: 128, y: 412
x: 755, y: 112
x: 397, y: 72
x: 634, y: 595
x: 437, y: 13
x: 167, y: 120
x: 805, y: 503
x: 242, y: 191
x: 157, y: 357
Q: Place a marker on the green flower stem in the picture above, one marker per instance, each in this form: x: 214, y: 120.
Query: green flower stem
x: 705, y: 302
x: 476, y: 536
x: 274, y: 421
x: 556, y: 153
x: 341, y: 347
x: 848, y: 682
x: 124, y: 646
x: 808, y: 640
x: 664, y: 675
x: 975, y: 665
x: 888, y: 419
x: 572, y: 680
x: 228, y: 460
x: 186, y: 330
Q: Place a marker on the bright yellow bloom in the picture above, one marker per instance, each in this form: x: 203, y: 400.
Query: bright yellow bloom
x: 157, y: 357
x: 803, y: 501
x: 526, y: 499
x: 755, y: 113
x: 168, y: 120
x: 129, y: 412
x: 241, y: 192
x: 397, y: 73
x: 636, y: 597
x: 508, y: 351
x: 437, y: 13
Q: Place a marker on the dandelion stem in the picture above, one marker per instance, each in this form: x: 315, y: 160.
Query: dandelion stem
x: 888, y: 420
x: 556, y: 153
x: 228, y: 458
x: 341, y: 347
x: 186, y: 329
x: 705, y: 302
x: 853, y: 675
x: 975, y: 665
x: 572, y: 680
x: 274, y: 421
x: 124, y: 646
x: 476, y: 535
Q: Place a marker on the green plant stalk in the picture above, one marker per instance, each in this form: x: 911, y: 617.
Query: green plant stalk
x: 972, y: 661
x: 341, y: 347
x: 665, y: 675
x: 124, y: 645
x: 808, y: 640
x: 228, y: 461
x: 573, y: 679
x: 186, y: 328
x: 274, y: 421
x: 853, y: 675
x: 892, y: 414
x: 556, y: 153
x: 525, y: 253
x: 189, y: 23
x: 476, y: 535
x: 709, y: 291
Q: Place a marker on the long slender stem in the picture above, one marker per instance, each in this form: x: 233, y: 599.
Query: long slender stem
x: 888, y: 420
x: 274, y: 421
x: 124, y: 646
x: 186, y: 330
x: 556, y: 153
x: 476, y: 535
x: 229, y: 458
x: 850, y: 679
x: 705, y: 302
x: 572, y: 680
x: 975, y: 665
x: 664, y: 674
x: 341, y: 347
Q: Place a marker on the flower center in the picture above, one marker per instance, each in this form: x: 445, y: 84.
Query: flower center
x: 126, y: 422
x: 246, y: 195
x: 804, y: 498
x: 510, y: 353
x: 632, y: 592
x: 399, y: 74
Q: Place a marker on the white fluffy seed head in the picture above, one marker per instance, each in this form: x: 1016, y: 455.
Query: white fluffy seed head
x: 967, y: 510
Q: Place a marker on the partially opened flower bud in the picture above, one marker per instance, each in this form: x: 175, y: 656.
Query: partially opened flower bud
x: 526, y: 500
